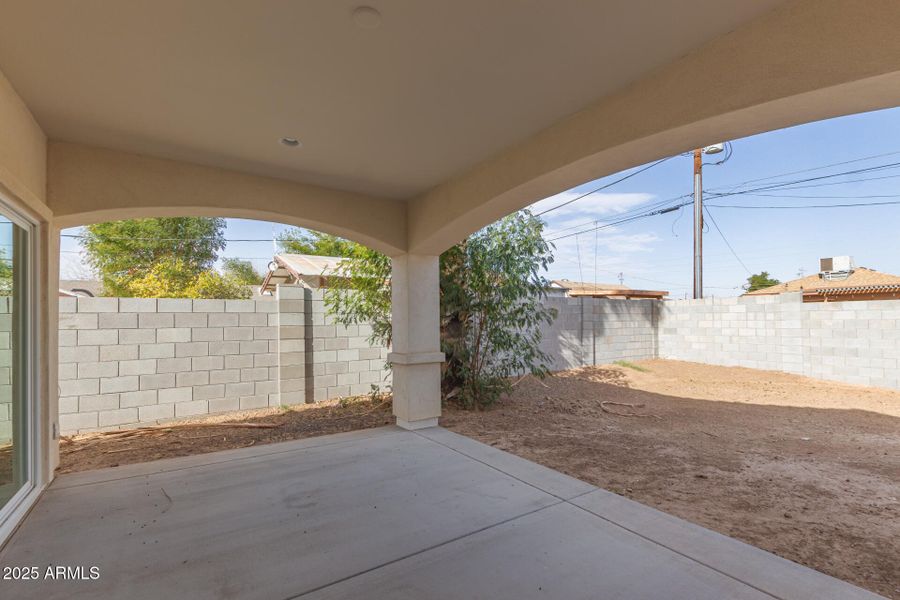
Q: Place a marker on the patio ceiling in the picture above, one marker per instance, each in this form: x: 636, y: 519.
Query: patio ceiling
x: 392, y: 111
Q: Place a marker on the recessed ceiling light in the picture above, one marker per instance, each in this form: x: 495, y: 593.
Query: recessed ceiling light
x: 366, y: 17
x: 289, y: 141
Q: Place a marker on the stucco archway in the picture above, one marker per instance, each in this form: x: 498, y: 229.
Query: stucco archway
x: 89, y: 185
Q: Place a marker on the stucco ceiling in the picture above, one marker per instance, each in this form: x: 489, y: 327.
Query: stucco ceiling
x: 391, y: 111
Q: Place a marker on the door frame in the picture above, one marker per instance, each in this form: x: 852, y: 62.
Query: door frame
x: 13, y: 512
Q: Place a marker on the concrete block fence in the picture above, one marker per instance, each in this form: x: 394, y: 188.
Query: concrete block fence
x: 595, y: 331
x: 125, y: 362
x: 853, y: 342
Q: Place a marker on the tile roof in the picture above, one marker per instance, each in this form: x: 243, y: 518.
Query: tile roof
x: 579, y: 288
x: 860, y: 279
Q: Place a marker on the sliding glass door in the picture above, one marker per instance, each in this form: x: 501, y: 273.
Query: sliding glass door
x: 17, y: 405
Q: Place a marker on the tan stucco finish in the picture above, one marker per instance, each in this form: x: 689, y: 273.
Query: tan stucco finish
x: 89, y: 185
x: 23, y: 169
x: 23, y: 151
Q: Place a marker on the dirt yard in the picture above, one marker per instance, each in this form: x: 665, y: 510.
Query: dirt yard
x: 220, y: 432
x: 809, y: 470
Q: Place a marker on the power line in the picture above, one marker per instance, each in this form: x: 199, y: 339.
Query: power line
x: 605, y: 186
x: 628, y: 220
x: 139, y: 239
x: 623, y: 214
x: 795, y: 184
x: 837, y: 164
x: 269, y: 258
x: 724, y: 239
x: 810, y: 197
x: 800, y: 206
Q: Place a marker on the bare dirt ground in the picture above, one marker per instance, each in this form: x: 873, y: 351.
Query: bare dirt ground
x: 220, y: 432
x: 807, y: 469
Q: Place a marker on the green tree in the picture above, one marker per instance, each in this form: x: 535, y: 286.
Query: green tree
x: 760, y: 281
x: 491, y: 291
x: 241, y: 271
x: 491, y: 308
x: 302, y: 241
x: 124, y: 251
x: 6, y: 274
x: 360, y: 292
x: 175, y: 278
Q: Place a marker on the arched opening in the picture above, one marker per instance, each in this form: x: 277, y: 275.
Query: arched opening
x: 189, y: 317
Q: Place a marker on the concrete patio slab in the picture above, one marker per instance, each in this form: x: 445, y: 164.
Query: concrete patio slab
x: 377, y: 513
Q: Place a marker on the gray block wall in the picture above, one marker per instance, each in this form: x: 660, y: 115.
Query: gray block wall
x: 134, y: 361
x: 853, y: 342
x: 126, y: 362
x: 593, y: 331
x: 321, y: 359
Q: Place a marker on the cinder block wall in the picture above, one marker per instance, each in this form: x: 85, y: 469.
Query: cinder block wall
x: 126, y: 362
x: 133, y: 361
x: 321, y: 359
x: 593, y: 331
x: 853, y: 342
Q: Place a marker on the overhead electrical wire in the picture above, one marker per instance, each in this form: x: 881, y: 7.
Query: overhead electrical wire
x: 796, y: 183
x: 828, y: 166
x: 621, y: 221
x: 801, y: 206
x: 623, y: 214
x: 605, y: 186
x: 727, y: 243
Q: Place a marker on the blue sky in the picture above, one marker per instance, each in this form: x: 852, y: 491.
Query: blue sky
x: 655, y: 252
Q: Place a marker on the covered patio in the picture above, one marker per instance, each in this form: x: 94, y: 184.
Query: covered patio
x: 382, y: 513
x: 405, y: 126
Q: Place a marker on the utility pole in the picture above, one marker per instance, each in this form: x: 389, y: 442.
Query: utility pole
x: 698, y: 223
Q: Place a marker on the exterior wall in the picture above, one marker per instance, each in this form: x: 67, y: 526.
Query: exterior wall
x: 23, y: 183
x: 853, y: 342
x: 133, y: 361
x: 592, y: 331
x: 126, y: 362
x: 23, y: 150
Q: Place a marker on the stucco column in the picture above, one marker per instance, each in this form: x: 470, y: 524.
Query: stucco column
x: 416, y: 355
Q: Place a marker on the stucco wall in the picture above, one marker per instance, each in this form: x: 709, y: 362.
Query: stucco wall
x: 23, y: 149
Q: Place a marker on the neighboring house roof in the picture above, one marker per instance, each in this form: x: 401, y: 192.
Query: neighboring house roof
x: 859, y: 281
x: 81, y: 287
x: 604, y: 290
x: 303, y: 269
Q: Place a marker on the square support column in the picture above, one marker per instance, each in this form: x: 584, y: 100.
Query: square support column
x: 416, y: 341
